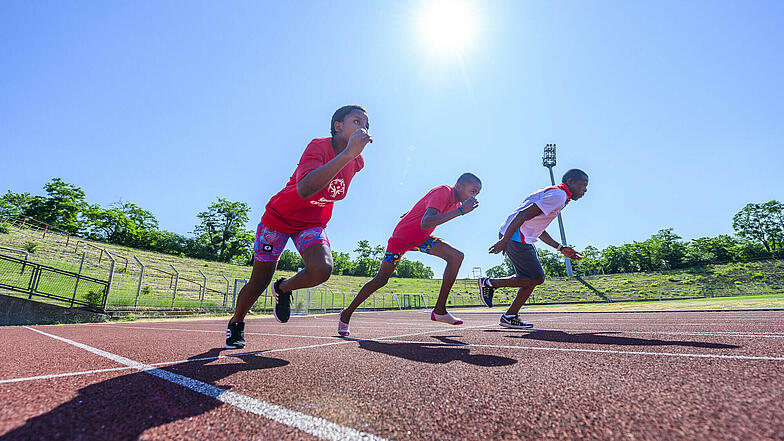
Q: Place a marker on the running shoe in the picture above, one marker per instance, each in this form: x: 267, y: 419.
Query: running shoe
x: 282, y: 307
x: 342, y: 327
x: 514, y: 323
x: 235, y: 335
x: 447, y: 318
x: 485, y: 291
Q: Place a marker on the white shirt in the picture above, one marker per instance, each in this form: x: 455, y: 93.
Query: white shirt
x: 551, y: 200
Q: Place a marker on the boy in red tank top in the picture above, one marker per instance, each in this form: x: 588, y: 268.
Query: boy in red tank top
x: 301, y: 211
x: 412, y: 233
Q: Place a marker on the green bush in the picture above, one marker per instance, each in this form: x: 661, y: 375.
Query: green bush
x: 5, y: 228
x: 31, y: 246
x: 94, y: 298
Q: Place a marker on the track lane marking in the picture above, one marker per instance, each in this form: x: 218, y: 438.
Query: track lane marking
x: 318, y: 427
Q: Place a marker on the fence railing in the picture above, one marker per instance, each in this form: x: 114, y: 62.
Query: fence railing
x: 162, y: 282
x: 67, y: 288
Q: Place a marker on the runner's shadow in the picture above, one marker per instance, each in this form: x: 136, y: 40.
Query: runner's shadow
x: 435, y: 352
x: 124, y: 407
x: 601, y: 338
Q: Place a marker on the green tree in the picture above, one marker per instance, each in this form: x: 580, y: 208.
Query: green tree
x: 341, y: 263
x: 505, y: 269
x: 222, y: 232
x: 290, y: 261
x: 413, y: 269
x: 125, y: 223
x: 763, y: 223
x: 63, y: 206
x: 666, y: 250
x: 16, y: 203
x: 552, y: 263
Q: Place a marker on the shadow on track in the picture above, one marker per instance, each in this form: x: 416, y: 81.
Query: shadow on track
x: 124, y: 407
x: 438, y: 353
x: 601, y: 338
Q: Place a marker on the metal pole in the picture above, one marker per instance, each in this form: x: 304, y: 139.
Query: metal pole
x: 111, y: 277
x: 225, y: 296
x: 76, y: 285
x: 176, y: 282
x: 141, y: 277
x: 203, y: 290
x: 567, y: 261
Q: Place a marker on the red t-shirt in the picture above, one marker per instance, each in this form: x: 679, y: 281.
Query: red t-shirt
x: 287, y: 212
x: 408, y: 232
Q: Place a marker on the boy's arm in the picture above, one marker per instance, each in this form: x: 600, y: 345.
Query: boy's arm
x: 528, y: 213
x: 432, y: 218
x: 319, y: 178
x: 565, y: 250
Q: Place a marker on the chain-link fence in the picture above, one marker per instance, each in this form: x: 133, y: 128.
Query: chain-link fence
x: 168, y: 282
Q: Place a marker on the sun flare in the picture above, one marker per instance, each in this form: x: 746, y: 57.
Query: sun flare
x: 447, y: 26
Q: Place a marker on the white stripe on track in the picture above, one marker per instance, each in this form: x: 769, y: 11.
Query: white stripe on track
x: 318, y: 427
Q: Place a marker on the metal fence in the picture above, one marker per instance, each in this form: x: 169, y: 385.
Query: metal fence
x: 19, y: 276
x: 162, y: 282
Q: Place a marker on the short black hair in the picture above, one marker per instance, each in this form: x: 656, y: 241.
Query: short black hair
x: 574, y: 173
x: 342, y: 112
x: 468, y: 177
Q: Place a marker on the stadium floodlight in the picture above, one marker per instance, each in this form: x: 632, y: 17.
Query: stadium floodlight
x: 548, y: 160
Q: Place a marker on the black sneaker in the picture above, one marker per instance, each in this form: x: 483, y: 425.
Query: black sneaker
x: 485, y: 292
x: 514, y: 323
x: 235, y: 335
x: 282, y: 307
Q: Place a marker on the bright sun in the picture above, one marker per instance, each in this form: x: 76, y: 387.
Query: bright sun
x: 447, y: 26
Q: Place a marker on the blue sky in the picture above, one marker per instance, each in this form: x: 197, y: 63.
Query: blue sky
x: 675, y: 109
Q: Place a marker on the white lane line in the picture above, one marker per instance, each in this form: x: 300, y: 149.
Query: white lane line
x: 338, y: 341
x: 596, y: 351
x: 318, y: 427
x: 67, y: 374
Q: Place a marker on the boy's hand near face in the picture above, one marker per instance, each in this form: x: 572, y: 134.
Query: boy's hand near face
x: 469, y: 204
x: 357, y: 142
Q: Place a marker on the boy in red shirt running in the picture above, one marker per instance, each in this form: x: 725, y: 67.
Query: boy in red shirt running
x: 412, y: 233
x: 301, y: 211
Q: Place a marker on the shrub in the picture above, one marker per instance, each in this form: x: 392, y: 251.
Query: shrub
x: 4, y: 228
x: 31, y: 246
x: 94, y: 298
x: 146, y: 290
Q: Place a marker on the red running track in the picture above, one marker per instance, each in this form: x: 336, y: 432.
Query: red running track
x: 630, y: 376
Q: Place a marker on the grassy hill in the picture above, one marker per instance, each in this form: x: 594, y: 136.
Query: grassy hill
x: 157, y: 285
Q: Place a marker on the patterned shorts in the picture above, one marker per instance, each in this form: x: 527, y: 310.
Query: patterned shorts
x: 269, y: 244
x: 394, y: 258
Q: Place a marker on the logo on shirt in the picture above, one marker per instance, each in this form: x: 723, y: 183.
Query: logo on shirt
x: 336, y: 187
x: 267, y: 248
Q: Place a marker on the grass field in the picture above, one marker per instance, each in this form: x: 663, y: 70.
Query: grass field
x: 157, y: 287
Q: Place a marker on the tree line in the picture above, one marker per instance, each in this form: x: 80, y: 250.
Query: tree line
x: 219, y: 235
x: 759, y: 229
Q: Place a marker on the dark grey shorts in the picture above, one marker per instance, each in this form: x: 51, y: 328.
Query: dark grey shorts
x: 525, y: 260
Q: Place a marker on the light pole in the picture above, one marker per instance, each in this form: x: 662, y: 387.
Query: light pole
x: 548, y: 160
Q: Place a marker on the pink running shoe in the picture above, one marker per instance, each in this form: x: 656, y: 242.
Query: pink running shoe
x: 444, y: 318
x: 342, y: 327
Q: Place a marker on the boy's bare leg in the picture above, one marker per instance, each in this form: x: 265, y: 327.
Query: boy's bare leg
x: 522, y: 295
x: 318, y: 268
x: 453, y: 258
x: 376, y: 283
x: 260, y: 279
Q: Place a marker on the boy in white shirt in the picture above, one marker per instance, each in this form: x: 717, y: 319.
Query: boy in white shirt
x: 522, y: 228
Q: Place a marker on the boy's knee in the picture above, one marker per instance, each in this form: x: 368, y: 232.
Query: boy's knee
x: 321, y: 272
x: 382, y: 279
x: 456, y: 258
x: 537, y: 281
